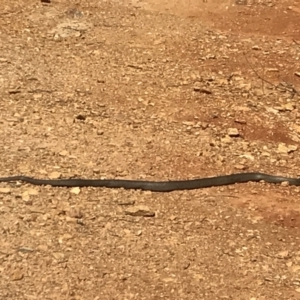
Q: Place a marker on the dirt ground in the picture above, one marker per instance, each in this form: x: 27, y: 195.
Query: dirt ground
x: 158, y: 90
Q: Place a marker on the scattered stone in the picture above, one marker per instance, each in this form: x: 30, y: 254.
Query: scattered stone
x: 75, y: 212
x: 59, y: 256
x: 283, y: 254
x: 42, y: 248
x: 70, y: 28
x: 233, y: 132
x: 75, y: 190
x: 54, y: 175
x: 188, y: 123
x: 71, y: 220
x: 240, y: 167
x: 64, y: 153
x: 25, y: 196
x: 32, y: 192
x: 240, y: 121
x: 74, y: 13
x: 126, y: 202
x: 295, y: 268
x: 272, y: 70
x: 202, y: 90
x: 296, y: 128
x: 286, y: 149
x: 81, y: 117
x: 69, y: 120
x: 286, y: 107
x: 17, y: 274
x: 242, y: 108
x: 289, y: 106
x: 248, y: 156
x: 5, y: 190
x: 65, y: 238
x: 256, y: 47
x: 272, y: 110
x: 226, y: 140
x: 139, y: 211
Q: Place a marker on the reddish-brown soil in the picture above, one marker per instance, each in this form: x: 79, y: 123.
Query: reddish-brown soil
x: 156, y: 90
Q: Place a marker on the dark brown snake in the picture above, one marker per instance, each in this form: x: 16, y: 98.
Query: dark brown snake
x: 157, y: 186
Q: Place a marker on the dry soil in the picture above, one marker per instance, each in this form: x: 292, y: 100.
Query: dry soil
x: 158, y: 90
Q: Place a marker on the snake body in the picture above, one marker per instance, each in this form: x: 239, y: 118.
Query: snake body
x: 157, y: 186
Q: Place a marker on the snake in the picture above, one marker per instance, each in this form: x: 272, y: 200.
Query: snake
x: 158, y: 186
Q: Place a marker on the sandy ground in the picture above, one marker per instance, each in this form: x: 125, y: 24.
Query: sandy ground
x: 152, y: 90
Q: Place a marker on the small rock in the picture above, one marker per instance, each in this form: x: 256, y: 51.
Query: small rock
x: 240, y: 167
x: 286, y: 107
x: 71, y: 220
x: 25, y: 196
x: 69, y: 120
x: 5, y: 190
x: 81, y: 117
x: 64, y: 238
x: 289, y: 264
x: 272, y: 110
x: 242, y: 108
x: 283, y: 254
x: 42, y: 248
x: 284, y: 149
x: 272, y: 70
x: 240, y: 121
x: 32, y: 192
x: 139, y: 211
x: 289, y: 106
x: 54, y: 175
x: 64, y: 153
x: 204, y: 125
x: 233, y: 132
x: 188, y: 123
x: 295, y: 269
x: 202, y: 90
x: 17, y: 275
x: 126, y: 202
x: 225, y: 140
x: 296, y: 128
x: 256, y: 47
x: 75, y: 190
x: 75, y: 212
x: 59, y: 256
x: 248, y: 156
